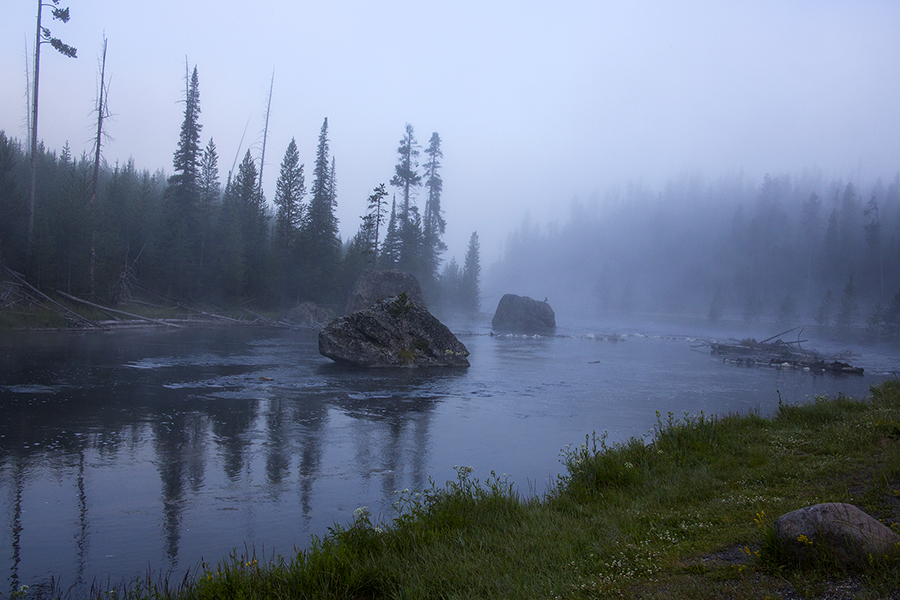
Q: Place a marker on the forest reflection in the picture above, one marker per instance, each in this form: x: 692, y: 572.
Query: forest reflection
x: 218, y: 435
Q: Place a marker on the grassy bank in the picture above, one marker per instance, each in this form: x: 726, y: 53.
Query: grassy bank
x: 685, y: 512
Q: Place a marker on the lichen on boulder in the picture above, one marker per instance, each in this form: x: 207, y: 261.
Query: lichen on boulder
x: 395, y: 332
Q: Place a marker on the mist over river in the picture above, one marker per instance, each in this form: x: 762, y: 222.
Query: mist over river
x: 158, y: 449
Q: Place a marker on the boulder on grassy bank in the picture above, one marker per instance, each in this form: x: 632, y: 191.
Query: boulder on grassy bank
x: 373, y: 285
x: 521, y: 314
x: 834, y: 532
x: 395, y: 332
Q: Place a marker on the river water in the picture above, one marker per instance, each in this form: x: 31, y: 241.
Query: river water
x: 157, y: 450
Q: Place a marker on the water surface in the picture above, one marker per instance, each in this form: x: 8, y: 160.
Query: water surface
x: 159, y: 449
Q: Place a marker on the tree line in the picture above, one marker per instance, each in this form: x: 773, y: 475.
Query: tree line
x: 787, y: 250
x: 114, y: 233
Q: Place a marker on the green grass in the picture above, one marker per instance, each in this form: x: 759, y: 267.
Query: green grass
x: 685, y: 513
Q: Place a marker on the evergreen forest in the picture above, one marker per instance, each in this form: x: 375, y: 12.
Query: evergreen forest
x: 120, y: 233
x: 790, y: 249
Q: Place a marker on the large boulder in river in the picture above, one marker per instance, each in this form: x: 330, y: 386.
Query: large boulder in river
x: 395, y: 332
x: 521, y: 314
x: 372, y: 286
x: 836, y: 532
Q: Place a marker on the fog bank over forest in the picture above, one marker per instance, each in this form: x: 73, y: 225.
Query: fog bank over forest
x: 782, y: 249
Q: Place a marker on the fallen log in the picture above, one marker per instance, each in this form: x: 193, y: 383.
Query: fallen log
x: 71, y: 314
x: 118, y: 312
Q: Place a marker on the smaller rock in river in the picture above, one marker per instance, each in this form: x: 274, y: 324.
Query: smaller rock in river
x: 521, y: 314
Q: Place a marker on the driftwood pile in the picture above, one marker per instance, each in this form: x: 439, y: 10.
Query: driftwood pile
x: 776, y: 353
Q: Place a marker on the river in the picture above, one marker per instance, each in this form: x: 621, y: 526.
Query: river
x: 123, y: 452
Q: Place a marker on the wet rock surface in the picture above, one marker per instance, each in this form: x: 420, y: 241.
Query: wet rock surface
x: 395, y: 332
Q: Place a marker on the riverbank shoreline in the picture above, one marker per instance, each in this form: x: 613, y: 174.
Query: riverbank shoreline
x: 685, y: 513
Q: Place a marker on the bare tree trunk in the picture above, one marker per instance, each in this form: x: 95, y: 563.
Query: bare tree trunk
x: 101, y: 114
x: 262, y: 159
x: 240, y: 145
x: 28, y: 87
x: 34, y: 122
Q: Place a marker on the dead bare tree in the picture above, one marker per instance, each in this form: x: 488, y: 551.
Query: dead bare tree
x: 42, y: 36
x: 262, y: 158
x: 102, y: 113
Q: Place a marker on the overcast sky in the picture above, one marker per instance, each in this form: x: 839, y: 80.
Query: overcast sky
x: 536, y: 102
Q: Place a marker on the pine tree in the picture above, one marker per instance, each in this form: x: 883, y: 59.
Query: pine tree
x: 189, y: 154
x: 181, y: 249
x: 13, y: 206
x: 407, y: 178
x: 289, y: 192
x: 209, y: 190
x: 232, y: 266
x: 320, y: 242
x: 873, y: 239
x: 390, y: 250
x: 470, y: 290
x: 376, y: 210
x: 433, y: 222
x: 449, y: 284
x: 360, y: 252
x: 253, y: 225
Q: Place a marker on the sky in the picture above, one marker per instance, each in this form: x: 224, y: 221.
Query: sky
x: 536, y: 103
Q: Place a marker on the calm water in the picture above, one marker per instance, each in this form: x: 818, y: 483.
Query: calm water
x: 128, y: 451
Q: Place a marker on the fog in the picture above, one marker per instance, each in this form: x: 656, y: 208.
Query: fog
x: 783, y: 252
x: 536, y: 104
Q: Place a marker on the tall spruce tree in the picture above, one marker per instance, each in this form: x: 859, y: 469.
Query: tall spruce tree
x: 320, y: 243
x: 433, y: 222
x: 209, y: 190
x: 189, y: 154
x: 181, y: 243
x: 289, y: 192
x: 390, y: 249
x: 407, y: 178
x: 231, y: 262
x: 359, y: 253
x: 254, y: 227
x: 470, y: 288
x: 376, y: 210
